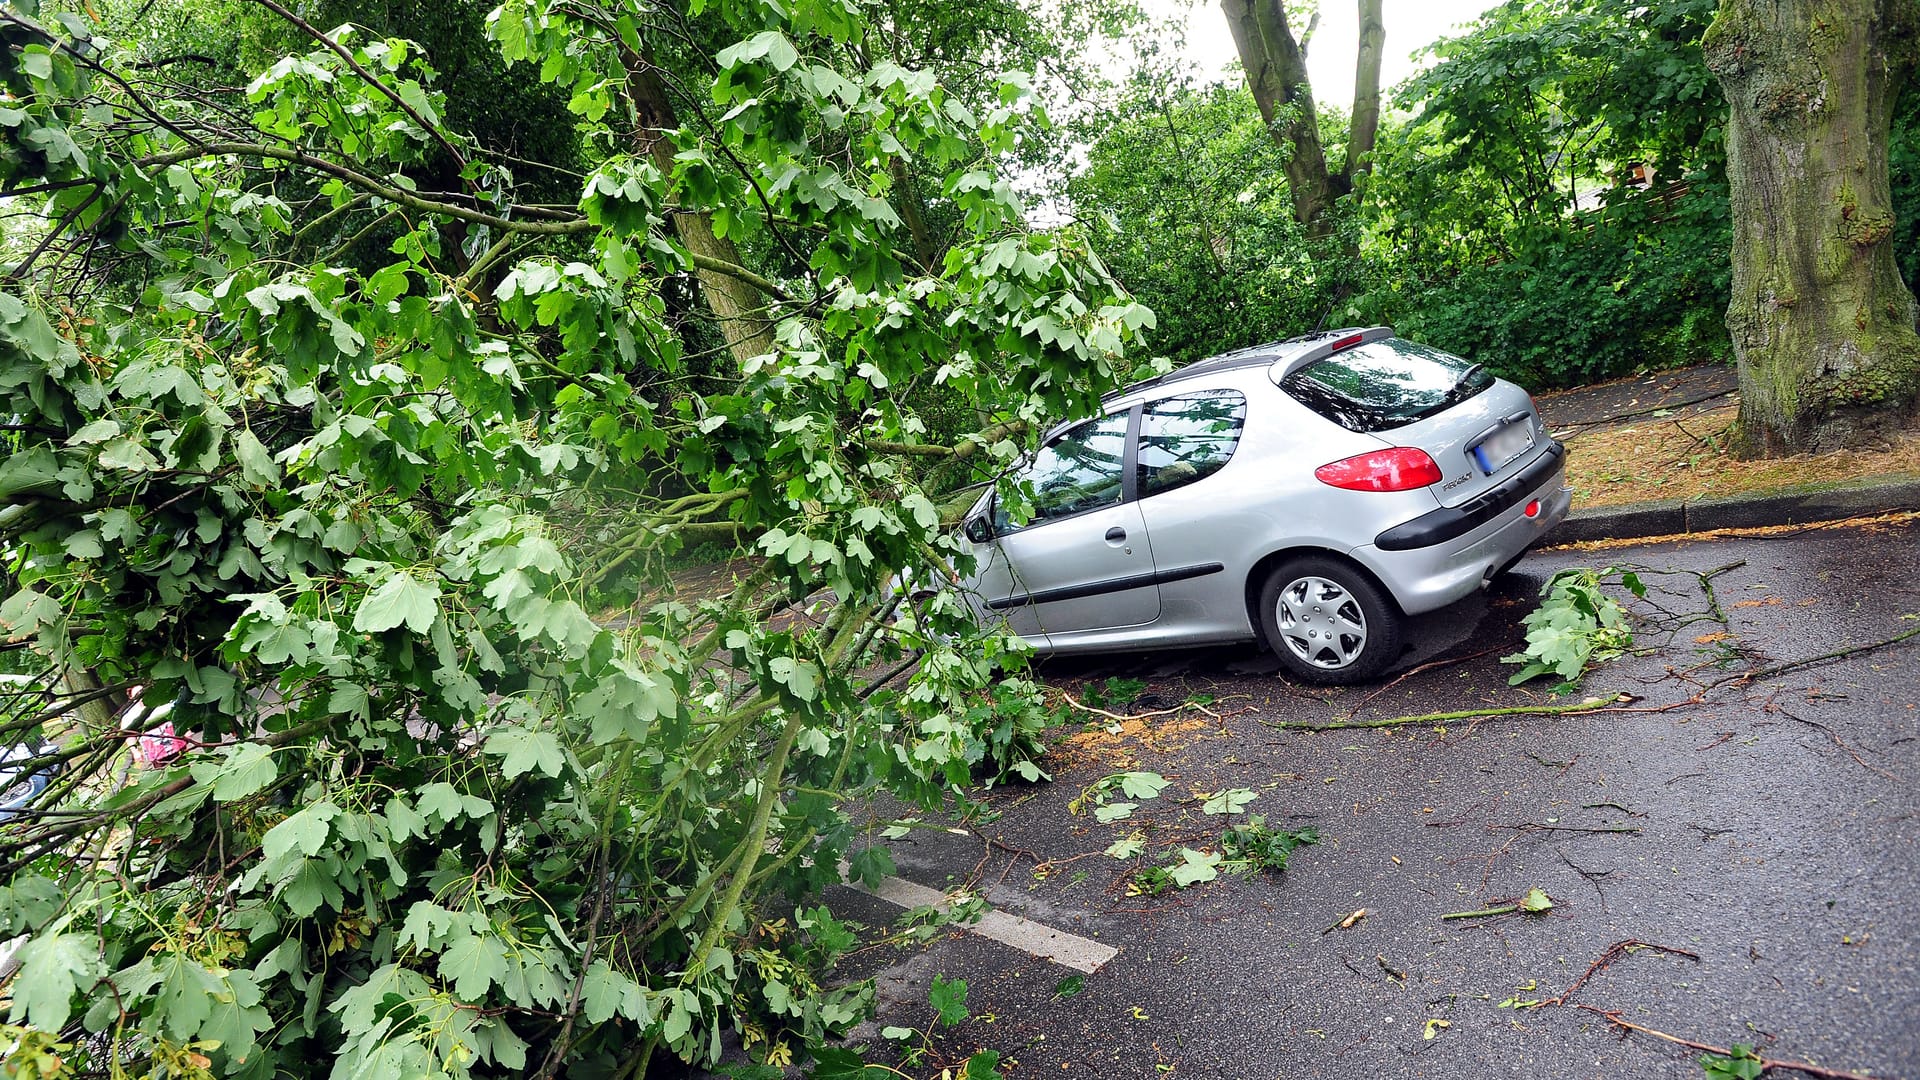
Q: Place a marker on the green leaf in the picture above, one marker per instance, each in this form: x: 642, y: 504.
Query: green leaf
x: 525, y: 750
x: 949, y: 999
x: 53, y: 968
x: 982, y: 1065
x: 839, y: 1063
x: 1114, y: 811
x: 474, y: 962
x: 129, y: 455
x: 312, y: 887
x: 305, y: 832
x: 1127, y: 847
x: 1141, y: 785
x: 1230, y: 801
x: 606, y: 993
x: 96, y: 432
x: 401, y: 599
x: 247, y: 768
x: 1195, y: 867
x: 870, y: 866
x: 802, y: 677
x: 24, y: 613
x: 257, y: 466
x: 1535, y: 901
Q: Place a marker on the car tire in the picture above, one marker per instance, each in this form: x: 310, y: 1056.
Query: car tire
x: 1327, y: 622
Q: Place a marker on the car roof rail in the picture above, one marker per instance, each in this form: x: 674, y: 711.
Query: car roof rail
x: 1327, y: 345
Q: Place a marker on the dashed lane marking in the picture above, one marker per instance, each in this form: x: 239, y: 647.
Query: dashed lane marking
x: 1034, y: 939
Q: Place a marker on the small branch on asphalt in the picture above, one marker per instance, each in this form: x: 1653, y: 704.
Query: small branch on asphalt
x: 1590, y: 705
x: 1837, y: 741
x: 1745, y: 677
x: 1535, y: 826
x: 1614, y: 952
x: 1593, y: 878
x: 1613, y: 1017
x: 1428, y: 666
x: 1347, y: 922
x: 1483, y: 913
x: 1182, y: 707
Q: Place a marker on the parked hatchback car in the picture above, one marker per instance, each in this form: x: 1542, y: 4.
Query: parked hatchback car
x: 1312, y: 493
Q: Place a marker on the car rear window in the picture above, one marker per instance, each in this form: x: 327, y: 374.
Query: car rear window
x: 1385, y: 384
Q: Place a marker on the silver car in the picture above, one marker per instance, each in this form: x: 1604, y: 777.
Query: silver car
x: 1312, y: 493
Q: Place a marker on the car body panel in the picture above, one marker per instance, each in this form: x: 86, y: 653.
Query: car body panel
x: 1450, y: 437
x: 1066, y: 575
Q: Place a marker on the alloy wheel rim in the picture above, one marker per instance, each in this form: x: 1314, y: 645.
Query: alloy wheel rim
x: 1321, y: 622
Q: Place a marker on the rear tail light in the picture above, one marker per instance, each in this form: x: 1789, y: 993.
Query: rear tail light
x: 1399, y: 468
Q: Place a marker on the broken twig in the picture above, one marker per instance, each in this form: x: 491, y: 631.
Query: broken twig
x: 1589, y: 705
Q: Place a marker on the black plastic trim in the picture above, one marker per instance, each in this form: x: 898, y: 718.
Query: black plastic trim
x: 1108, y: 585
x: 1446, y: 523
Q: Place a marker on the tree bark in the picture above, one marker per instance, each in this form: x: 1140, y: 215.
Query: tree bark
x: 740, y: 309
x: 1822, y: 325
x: 1277, y: 75
x: 1365, y: 123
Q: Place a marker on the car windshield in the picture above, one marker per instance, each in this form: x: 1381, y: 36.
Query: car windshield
x: 1385, y: 384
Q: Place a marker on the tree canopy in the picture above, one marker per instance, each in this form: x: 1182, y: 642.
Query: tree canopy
x: 433, y: 768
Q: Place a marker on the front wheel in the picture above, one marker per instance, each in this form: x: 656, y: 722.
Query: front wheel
x: 1327, y: 622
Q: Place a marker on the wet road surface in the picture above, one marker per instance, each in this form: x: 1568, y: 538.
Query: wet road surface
x: 1768, y: 832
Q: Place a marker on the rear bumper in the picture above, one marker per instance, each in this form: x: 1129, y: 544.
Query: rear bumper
x: 1428, y: 577
x: 1450, y: 522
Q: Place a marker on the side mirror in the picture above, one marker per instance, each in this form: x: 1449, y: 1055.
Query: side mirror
x: 979, y: 529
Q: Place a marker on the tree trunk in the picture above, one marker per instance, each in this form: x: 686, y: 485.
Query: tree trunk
x: 739, y: 308
x: 1365, y: 123
x: 1277, y: 75
x: 1822, y: 325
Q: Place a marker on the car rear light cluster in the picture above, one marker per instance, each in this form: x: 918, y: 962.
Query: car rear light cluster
x: 1399, y: 468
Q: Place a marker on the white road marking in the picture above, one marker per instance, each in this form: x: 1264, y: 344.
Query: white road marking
x: 1067, y: 950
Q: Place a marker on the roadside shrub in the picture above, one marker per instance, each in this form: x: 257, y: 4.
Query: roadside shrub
x: 1640, y: 284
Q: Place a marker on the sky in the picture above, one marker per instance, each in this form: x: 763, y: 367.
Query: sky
x: 1411, y: 25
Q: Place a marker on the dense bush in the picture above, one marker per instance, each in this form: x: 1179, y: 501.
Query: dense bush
x: 1640, y: 284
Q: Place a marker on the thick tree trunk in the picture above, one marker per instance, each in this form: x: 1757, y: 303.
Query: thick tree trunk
x: 739, y: 308
x: 1365, y: 123
x: 1822, y: 325
x: 1277, y: 75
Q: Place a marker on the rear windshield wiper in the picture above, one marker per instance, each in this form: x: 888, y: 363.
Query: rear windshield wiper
x: 1463, y: 389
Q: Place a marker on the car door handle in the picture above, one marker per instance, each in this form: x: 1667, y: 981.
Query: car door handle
x: 1116, y: 534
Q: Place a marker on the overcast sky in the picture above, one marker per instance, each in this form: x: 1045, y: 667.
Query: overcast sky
x: 1411, y: 25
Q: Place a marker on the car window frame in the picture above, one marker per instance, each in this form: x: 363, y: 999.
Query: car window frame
x: 1129, y: 482
x: 1139, y: 433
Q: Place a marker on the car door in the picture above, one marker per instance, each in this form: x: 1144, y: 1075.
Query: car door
x: 1080, y: 560
x: 1199, y: 525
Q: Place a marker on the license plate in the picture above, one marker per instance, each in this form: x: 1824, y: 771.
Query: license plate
x: 1503, y: 446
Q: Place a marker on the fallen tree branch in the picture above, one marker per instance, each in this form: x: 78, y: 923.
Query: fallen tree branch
x: 1613, y: 1017
x: 365, y: 183
x: 1182, y: 707
x: 1428, y: 666
x: 1587, y: 706
x: 1745, y: 677
x: 1614, y: 952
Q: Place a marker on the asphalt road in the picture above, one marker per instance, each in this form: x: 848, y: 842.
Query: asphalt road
x: 1767, y: 832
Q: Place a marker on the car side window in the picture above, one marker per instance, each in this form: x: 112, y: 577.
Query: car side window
x: 1188, y: 438
x: 1075, y: 473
